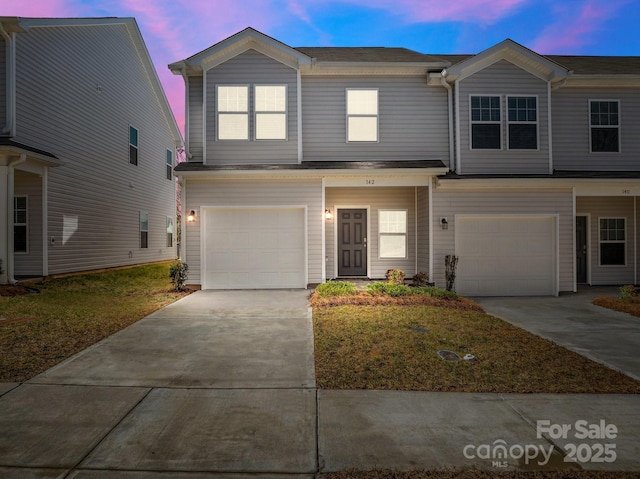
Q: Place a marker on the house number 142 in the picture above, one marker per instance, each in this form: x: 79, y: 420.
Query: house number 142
x: 370, y: 182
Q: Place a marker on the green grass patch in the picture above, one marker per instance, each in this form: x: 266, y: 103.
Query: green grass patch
x: 71, y: 313
x: 395, y: 347
x: 336, y: 288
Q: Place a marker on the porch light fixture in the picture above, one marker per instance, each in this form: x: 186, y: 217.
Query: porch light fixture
x: 191, y: 217
x: 444, y: 223
x: 327, y: 214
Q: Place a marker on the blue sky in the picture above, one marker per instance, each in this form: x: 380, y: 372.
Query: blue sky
x: 176, y: 29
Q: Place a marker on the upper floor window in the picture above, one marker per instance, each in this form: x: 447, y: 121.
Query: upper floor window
x: 486, y: 123
x: 233, y: 112
x: 612, y: 242
x: 604, y: 122
x: 271, y: 112
x: 133, y: 145
x: 20, y: 236
x: 169, y: 158
x: 362, y: 115
x: 523, y: 122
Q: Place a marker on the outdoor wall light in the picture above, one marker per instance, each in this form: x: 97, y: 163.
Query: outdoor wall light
x: 444, y: 223
x: 327, y: 214
x: 191, y: 217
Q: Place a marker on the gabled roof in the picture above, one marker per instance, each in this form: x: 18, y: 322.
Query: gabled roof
x: 536, y: 64
x: 138, y: 43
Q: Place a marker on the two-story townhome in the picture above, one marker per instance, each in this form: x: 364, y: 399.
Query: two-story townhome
x: 308, y: 164
x: 87, y: 147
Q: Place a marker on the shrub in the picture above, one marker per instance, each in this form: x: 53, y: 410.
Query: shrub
x: 434, y: 292
x: 629, y: 293
x: 178, y: 272
x: 336, y: 288
x: 420, y: 279
x: 395, y: 276
x: 388, y: 289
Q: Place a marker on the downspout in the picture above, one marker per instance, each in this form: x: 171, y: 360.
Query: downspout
x: 445, y: 84
x: 10, y: 69
x: 10, y: 192
x: 183, y: 72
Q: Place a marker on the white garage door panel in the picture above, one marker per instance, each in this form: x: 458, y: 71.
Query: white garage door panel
x: 506, y: 256
x: 254, y: 248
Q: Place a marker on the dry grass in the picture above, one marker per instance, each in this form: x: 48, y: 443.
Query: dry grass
x: 363, y: 298
x: 476, y: 474
x: 69, y: 314
x: 383, y: 347
x: 630, y: 307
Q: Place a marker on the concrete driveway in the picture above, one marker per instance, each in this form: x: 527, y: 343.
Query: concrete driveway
x: 571, y: 321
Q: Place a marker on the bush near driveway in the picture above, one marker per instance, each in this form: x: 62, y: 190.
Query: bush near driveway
x: 69, y: 314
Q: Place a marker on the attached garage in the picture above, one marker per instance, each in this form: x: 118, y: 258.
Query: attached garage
x: 254, y: 248
x: 506, y: 255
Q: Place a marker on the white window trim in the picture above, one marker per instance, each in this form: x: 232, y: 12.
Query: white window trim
x: 480, y: 122
x: 536, y: 123
x: 618, y: 126
x: 348, y: 115
x: 285, y: 112
x: 405, y: 234
x: 136, y: 146
x: 25, y: 224
x: 143, y: 230
x: 601, y: 241
x: 170, y: 164
x: 247, y: 112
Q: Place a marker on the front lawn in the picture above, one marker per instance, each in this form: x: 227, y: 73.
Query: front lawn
x: 395, y: 347
x: 40, y: 330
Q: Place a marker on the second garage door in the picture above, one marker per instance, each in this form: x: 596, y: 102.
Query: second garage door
x: 506, y: 256
x: 254, y: 248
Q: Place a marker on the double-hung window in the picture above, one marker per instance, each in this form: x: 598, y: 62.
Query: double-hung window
x: 133, y: 145
x: 144, y: 230
x: 486, y: 126
x: 393, y: 233
x: 604, y: 122
x: 20, y: 236
x: 362, y: 115
x: 233, y: 112
x: 169, y: 232
x: 523, y: 122
x: 270, y: 112
x: 169, y: 158
x: 612, y: 242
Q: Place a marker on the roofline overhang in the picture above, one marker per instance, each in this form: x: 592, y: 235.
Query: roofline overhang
x: 542, y: 182
x: 312, y: 173
x: 41, y: 157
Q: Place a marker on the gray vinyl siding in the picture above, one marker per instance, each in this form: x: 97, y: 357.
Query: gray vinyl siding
x: 423, y: 229
x: 252, y: 68
x: 261, y: 193
x: 3, y: 84
x: 503, y: 202
x: 402, y: 198
x: 609, y: 207
x: 412, y: 119
x: 30, y: 185
x: 571, y: 133
x: 195, y: 119
x: 78, y: 90
x: 503, y: 79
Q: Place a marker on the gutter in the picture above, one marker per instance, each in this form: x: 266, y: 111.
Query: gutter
x: 10, y: 69
x: 10, y: 192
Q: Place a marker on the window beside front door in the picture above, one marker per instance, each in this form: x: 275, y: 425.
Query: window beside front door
x: 393, y: 233
x: 612, y: 242
x: 20, y: 225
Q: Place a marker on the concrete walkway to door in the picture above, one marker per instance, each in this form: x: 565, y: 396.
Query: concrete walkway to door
x: 572, y: 321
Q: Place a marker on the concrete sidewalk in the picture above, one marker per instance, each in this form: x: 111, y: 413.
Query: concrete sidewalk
x: 222, y: 384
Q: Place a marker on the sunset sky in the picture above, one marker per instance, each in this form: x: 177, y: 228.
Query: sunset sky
x: 176, y: 29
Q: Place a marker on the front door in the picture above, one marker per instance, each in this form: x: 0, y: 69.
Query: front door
x: 352, y: 242
x: 581, y: 249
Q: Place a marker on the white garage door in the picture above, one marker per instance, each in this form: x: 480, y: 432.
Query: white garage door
x: 254, y: 248
x: 506, y: 256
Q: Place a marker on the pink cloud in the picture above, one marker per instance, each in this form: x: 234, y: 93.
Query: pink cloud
x: 574, y: 27
x: 38, y: 8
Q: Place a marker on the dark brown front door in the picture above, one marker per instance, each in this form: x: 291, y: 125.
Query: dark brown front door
x: 352, y: 242
x: 581, y: 249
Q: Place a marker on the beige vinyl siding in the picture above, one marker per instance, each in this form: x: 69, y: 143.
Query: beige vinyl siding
x: 30, y: 185
x: 571, y: 140
x: 609, y: 207
x: 195, y: 119
x: 412, y: 119
x: 423, y: 229
x: 79, y: 89
x: 503, y: 202
x: 3, y: 83
x: 252, y: 68
x: 386, y: 198
x: 503, y: 79
x: 272, y: 192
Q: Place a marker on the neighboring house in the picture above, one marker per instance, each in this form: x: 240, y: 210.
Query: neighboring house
x: 87, y: 144
x: 308, y: 164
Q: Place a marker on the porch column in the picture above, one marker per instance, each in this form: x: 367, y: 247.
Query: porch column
x: 5, y: 229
